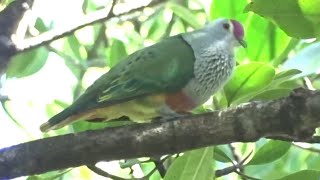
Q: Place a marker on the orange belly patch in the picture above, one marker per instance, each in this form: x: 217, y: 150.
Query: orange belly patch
x: 180, y: 102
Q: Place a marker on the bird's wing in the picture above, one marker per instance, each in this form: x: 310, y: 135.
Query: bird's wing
x: 164, y: 67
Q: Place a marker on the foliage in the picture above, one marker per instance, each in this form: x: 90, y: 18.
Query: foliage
x: 42, y: 82
x: 194, y: 164
x: 304, y: 12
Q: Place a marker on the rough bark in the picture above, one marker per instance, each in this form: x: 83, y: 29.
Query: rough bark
x: 9, y: 20
x: 291, y: 118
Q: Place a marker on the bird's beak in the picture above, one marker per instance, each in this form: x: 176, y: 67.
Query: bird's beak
x: 242, y: 43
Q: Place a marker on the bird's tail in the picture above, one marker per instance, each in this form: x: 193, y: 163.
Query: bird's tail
x: 61, y: 119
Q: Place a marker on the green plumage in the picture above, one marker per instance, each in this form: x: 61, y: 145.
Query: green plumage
x: 163, y: 67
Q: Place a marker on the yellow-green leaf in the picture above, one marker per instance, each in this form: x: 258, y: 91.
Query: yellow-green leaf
x: 247, y: 80
x: 27, y: 63
x: 304, y: 174
x: 298, y: 18
x: 269, y: 152
x: 196, y: 164
x: 117, y: 52
x: 185, y: 14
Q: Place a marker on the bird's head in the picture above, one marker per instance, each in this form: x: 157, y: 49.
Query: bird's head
x: 228, y: 29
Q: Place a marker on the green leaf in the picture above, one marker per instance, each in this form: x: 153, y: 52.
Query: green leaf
x: 219, y: 100
x: 185, y: 14
x: 117, y: 52
x: 304, y: 174
x: 75, y: 47
x: 291, y: 84
x: 247, y: 80
x: 305, y: 13
x: 90, y: 6
x: 273, y: 94
x: 269, y: 152
x: 40, y: 25
x: 27, y: 63
x: 196, y: 164
x: 147, y: 168
x: 227, y: 9
x: 281, y: 86
x: 177, y: 27
x: 268, y: 41
x: 154, y: 28
x: 310, y: 9
x: 219, y: 155
x: 49, y: 175
x: 74, y: 66
x: 285, y: 75
x: 157, y: 25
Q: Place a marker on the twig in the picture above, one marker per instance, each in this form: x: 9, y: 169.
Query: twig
x: 234, y: 154
x: 65, y: 56
x: 237, y: 159
x: 101, y: 38
x: 246, y: 176
x: 79, y: 66
x: 149, y: 174
x: 159, y: 166
x: 169, y: 27
x: 92, y: 18
x: 106, y: 174
x: 225, y: 171
x: 233, y: 168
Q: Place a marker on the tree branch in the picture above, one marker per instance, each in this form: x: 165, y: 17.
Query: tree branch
x: 9, y: 20
x: 233, y: 168
x: 92, y: 18
x: 294, y: 118
x: 11, y: 16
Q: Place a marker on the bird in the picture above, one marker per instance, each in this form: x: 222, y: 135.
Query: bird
x: 167, y: 79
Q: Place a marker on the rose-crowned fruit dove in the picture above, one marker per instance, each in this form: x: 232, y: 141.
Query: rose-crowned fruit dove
x: 166, y: 79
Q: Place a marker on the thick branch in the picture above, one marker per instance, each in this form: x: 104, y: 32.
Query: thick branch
x: 9, y: 20
x: 294, y: 117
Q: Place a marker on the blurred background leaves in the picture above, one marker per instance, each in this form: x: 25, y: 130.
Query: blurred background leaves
x: 279, y: 58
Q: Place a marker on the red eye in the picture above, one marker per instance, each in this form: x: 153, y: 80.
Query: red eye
x: 226, y: 26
